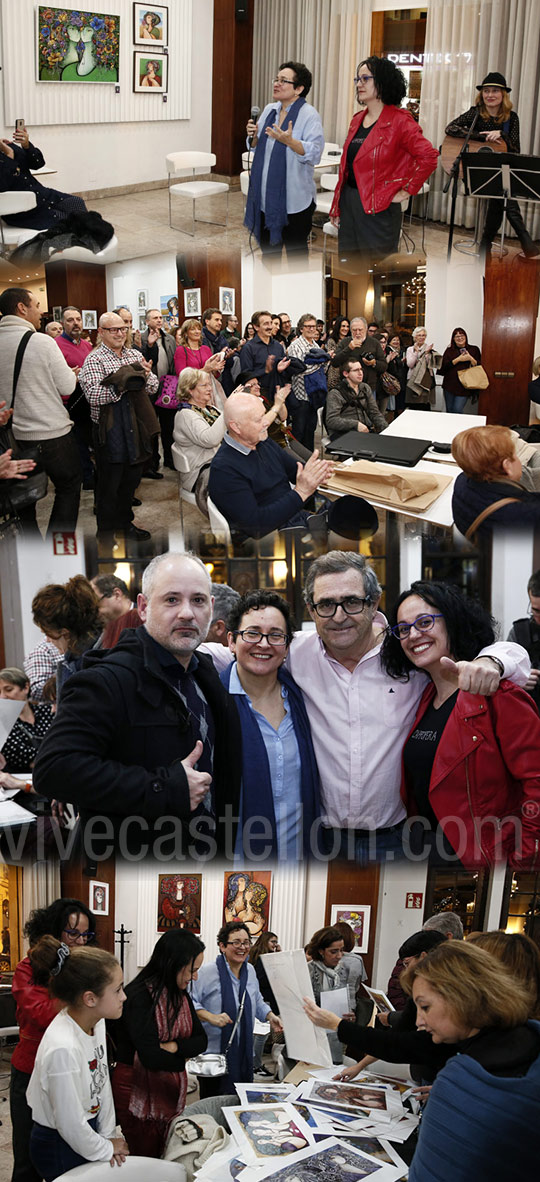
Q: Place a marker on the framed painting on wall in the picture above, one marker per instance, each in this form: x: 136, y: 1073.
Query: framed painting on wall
x: 179, y: 902
x: 89, y: 318
x: 76, y: 46
x: 227, y: 301
x: 358, y: 918
x: 150, y: 24
x: 192, y: 301
x: 98, y: 897
x: 150, y: 73
x: 246, y: 899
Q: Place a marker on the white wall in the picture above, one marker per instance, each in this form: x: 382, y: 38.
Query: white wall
x: 156, y: 272
x: 395, y: 921
x: 511, y: 569
x: 275, y: 287
x: 108, y: 154
x: 25, y: 567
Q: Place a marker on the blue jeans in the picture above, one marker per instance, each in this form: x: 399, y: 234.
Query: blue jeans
x: 455, y: 403
x: 363, y: 846
x: 51, y: 1155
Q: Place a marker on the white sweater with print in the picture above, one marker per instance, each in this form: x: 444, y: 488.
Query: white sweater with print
x: 70, y: 1085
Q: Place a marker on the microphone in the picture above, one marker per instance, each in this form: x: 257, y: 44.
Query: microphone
x: 255, y: 112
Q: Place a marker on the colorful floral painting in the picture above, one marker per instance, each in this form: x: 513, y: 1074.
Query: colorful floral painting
x: 179, y: 902
x: 76, y: 46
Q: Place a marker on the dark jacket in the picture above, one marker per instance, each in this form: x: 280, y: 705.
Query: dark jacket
x: 136, y: 1031
x: 150, y: 352
x: 253, y: 491
x: 116, y: 745
x: 470, y: 497
x: 450, y: 372
x: 482, y: 1118
x: 345, y: 409
x: 369, y: 345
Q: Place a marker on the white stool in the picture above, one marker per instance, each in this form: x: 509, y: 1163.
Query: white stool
x: 81, y: 254
x: 14, y: 202
x: 218, y: 523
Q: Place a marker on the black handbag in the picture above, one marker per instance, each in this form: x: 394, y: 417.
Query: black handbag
x: 20, y: 494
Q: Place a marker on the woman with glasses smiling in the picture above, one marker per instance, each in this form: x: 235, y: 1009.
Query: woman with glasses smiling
x: 280, y: 781
x: 288, y: 141
x: 471, y: 764
x: 69, y: 921
x: 385, y: 160
x: 227, y: 995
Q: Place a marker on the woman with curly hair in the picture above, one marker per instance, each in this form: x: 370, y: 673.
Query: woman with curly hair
x: 385, y: 160
x: 157, y: 1032
x: 471, y: 769
x: 68, y: 615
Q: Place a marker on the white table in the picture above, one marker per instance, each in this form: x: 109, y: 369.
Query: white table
x: 439, y: 428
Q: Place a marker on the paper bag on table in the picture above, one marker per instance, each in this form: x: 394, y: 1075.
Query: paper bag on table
x: 396, y: 486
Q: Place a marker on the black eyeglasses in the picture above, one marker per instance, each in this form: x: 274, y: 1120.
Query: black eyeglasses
x: 352, y: 605
x: 254, y: 636
x: 422, y: 623
x: 238, y: 943
x: 75, y: 934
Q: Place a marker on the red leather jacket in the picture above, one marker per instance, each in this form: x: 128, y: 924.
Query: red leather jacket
x: 35, y: 1010
x: 394, y: 156
x: 485, y: 780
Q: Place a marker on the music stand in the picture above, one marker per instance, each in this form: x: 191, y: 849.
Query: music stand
x: 501, y: 178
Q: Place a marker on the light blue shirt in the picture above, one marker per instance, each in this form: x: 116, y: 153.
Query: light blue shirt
x: 285, y: 775
x: 301, y: 189
x: 206, y: 995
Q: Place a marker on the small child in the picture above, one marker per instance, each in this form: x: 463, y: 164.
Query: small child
x: 70, y: 1091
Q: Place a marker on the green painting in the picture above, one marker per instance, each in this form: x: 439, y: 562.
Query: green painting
x: 76, y: 46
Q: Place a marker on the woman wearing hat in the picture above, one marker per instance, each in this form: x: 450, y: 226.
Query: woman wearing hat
x: 496, y: 123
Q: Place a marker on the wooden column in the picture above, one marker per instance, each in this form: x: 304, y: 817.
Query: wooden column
x: 511, y: 293
x: 81, y: 284
x: 231, y: 83
x: 210, y: 272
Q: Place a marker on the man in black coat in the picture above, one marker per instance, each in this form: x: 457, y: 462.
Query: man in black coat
x: 146, y: 742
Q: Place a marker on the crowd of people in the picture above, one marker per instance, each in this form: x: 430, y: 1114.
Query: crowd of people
x: 221, y: 727
x: 104, y: 1070
x: 236, y: 416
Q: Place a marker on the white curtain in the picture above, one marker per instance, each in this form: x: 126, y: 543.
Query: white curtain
x: 465, y: 40
x: 330, y: 36
x: 41, y: 885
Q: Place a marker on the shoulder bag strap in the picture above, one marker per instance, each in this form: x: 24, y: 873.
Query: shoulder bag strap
x: 18, y: 362
x: 487, y: 513
x: 238, y: 1019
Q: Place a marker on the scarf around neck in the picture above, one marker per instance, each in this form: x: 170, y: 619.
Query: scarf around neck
x: 275, y: 214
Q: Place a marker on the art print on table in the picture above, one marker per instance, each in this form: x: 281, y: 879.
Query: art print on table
x: 265, y: 1131
x: 349, y: 1096
x: 179, y: 902
x: 333, y: 1161
x: 246, y: 899
x: 76, y: 46
x: 150, y: 74
x: 150, y: 24
x: 256, y: 1093
x: 358, y: 918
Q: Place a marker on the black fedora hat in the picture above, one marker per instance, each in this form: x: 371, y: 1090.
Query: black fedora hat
x: 495, y: 79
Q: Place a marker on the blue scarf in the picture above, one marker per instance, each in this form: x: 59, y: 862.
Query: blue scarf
x: 275, y: 214
x: 257, y: 799
x: 240, y: 1052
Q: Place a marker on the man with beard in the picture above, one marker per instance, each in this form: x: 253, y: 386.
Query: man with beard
x: 146, y: 739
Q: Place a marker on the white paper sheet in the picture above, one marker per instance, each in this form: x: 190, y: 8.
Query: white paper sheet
x: 9, y: 713
x: 13, y: 814
x: 290, y: 982
x: 335, y: 1000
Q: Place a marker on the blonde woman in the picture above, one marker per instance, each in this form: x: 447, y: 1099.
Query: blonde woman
x: 199, y: 427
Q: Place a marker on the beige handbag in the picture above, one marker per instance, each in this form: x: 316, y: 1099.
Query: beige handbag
x: 474, y: 378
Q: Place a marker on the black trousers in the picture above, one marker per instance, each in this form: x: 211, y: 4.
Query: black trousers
x: 61, y: 460
x: 115, y: 487
x: 303, y: 419
x: 21, y: 1123
x: 166, y: 422
x: 294, y: 236
x: 494, y: 218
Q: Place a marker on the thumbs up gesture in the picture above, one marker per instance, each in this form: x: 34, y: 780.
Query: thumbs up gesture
x: 198, y: 782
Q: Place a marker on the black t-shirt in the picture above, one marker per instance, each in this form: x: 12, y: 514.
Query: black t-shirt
x: 419, y: 754
x: 353, y: 150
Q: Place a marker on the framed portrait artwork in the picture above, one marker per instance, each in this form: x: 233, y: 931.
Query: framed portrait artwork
x: 179, y: 902
x: 150, y: 72
x: 150, y: 25
x: 89, y: 318
x: 226, y: 301
x: 98, y: 897
x: 192, y: 301
x: 57, y: 312
x: 168, y: 306
x: 246, y: 899
x: 357, y: 917
x: 76, y: 46
x: 142, y: 321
